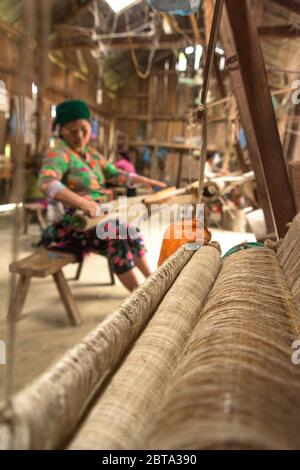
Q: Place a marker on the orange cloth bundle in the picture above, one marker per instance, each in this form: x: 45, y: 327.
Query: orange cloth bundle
x: 180, y: 233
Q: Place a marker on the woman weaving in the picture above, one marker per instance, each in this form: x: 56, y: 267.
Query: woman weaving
x: 74, y: 174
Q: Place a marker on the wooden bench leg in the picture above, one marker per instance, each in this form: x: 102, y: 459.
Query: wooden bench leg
x: 41, y: 220
x: 27, y: 218
x: 78, y: 273
x: 67, y: 298
x: 111, y: 273
x: 17, y: 303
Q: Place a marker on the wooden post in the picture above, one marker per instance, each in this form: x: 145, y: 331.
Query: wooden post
x: 180, y: 162
x: 43, y: 14
x: 240, y: 156
x: 208, y: 12
x: 237, y: 85
x: 112, y: 145
x: 247, y: 67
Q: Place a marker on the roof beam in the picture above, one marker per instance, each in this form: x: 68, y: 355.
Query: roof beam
x: 172, y: 42
x: 75, y: 8
x: 121, y: 45
x: 292, y: 5
x: 285, y: 31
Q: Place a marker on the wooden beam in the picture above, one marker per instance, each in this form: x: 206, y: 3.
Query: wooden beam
x: 10, y: 31
x: 237, y: 85
x: 255, y: 104
x: 284, y: 31
x: 172, y: 42
x: 292, y: 5
x: 208, y: 11
x: 74, y: 8
x: 123, y: 95
x: 121, y: 45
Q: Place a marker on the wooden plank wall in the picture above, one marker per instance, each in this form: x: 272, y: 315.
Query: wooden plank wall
x: 62, y: 84
x: 156, y: 111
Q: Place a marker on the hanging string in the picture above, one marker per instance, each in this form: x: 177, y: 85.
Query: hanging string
x: 202, y: 110
x: 175, y: 26
x: 143, y: 75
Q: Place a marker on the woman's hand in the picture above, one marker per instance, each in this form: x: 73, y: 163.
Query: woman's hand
x: 156, y: 184
x: 90, y: 208
x: 69, y: 198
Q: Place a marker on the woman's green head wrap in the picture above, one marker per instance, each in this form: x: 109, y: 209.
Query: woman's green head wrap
x: 71, y: 111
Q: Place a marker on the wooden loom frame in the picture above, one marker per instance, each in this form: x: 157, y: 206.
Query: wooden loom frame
x: 247, y: 69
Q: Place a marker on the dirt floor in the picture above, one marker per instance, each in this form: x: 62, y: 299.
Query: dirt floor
x: 44, y: 334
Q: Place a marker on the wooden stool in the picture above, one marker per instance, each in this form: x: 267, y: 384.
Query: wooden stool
x: 29, y: 210
x: 41, y: 264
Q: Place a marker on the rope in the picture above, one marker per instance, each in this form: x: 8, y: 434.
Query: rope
x: 140, y: 73
x: 174, y: 25
x: 202, y: 109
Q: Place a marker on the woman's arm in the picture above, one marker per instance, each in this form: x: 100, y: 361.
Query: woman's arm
x: 54, y: 167
x: 115, y: 175
x: 68, y: 197
x: 138, y: 179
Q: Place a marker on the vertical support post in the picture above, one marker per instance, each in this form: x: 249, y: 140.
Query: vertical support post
x: 150, y: 107
x: 112, y: 144
x: 42, y: 39
x: 180, y: 162
x: 248, y: 71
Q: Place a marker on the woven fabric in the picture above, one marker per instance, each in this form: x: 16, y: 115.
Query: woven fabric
x: 235, y: 386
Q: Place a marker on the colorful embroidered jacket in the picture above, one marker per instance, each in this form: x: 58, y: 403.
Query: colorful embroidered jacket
x: 84, y: 174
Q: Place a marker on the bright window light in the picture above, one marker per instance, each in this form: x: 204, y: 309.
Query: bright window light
x: 53, y: 111
x: 52, y: 142
x: 219, y: 51
x: 7, y: 151
x: 10, y: 207
x: 182, y: 63
x: 222, y: 63
x: 189, y: 50
x: 166, y: 26
x: 119, y: 5
x: 198, y: 55
x: 99, y: 96
x: 34, y: 89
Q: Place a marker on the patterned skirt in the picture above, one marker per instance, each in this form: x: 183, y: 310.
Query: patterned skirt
x: 121, y: 249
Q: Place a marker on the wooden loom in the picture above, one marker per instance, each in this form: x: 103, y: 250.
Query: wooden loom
x: 162, y: 372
